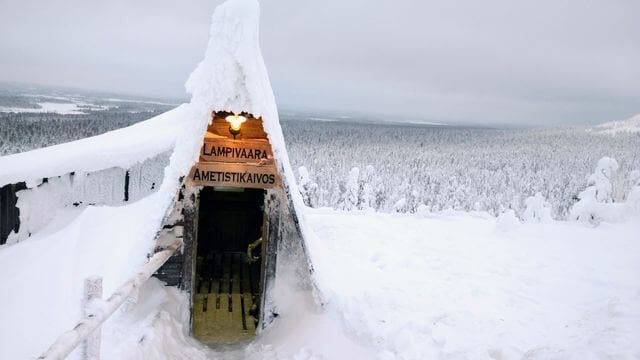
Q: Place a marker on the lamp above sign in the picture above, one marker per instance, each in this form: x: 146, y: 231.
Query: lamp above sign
x: 245, y: 161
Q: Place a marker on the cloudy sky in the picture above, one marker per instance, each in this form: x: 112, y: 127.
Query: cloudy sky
x: 544, y: 62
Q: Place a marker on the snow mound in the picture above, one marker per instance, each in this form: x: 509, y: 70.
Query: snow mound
x: 630, y: 125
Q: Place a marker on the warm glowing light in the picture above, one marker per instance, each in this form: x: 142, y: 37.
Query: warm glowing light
x: 235, y: 121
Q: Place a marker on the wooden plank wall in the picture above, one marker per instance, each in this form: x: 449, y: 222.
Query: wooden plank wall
x: 9, y: 213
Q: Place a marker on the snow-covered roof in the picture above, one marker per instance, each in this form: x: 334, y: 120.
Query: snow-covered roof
x: 119, y: 148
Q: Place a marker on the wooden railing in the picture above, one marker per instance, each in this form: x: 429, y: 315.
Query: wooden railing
x: 87, y: 331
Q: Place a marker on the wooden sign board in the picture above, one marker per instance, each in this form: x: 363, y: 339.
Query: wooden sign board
x: 229, y: 150
x: 243, y: 175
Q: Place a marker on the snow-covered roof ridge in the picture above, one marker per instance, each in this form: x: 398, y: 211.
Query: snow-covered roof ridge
x: 630, y: 125
x: 119, y: 148
x: 233, y: 77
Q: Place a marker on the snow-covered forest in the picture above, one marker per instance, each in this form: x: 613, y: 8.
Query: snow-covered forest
x: 27, y: 131
x: 34, y: 117
x: 412, y: 168
x: 408, y: 168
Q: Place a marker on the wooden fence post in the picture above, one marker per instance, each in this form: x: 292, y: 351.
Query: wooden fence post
x: 92, y: 292
x: 87, y: 330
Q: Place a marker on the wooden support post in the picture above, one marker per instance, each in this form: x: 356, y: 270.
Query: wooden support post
x: 126, y: 186
x: 190, y: 246
x: 92, y: 292
x: 269, y: 257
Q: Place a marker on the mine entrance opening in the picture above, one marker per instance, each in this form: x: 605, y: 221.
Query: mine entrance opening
x: 228, y: 286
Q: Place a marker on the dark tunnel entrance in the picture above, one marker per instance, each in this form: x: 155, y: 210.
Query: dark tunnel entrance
x: 229, y: 263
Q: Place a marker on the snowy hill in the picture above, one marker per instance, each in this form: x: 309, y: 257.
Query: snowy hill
x: 23, y: 98
x: 630, y: 125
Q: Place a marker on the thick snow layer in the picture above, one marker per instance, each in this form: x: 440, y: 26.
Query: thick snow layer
x: 42, y: 277
x: 152, y: 326
x: 464, y: 287
x: 156, y: 327
x: 40, y: 204
x: 631, y: 125
x: 120, y: 148
x: 457, y: 286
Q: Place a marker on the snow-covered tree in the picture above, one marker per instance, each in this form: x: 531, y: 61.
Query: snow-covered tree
x: 308, y: 188
x: 350, y: 198
x: 536, y: 209
x: 457, y: 168
x: 371, y: 189
x: 400, y: 206
x: 601, y: 179
x: 599, y: 191
x: 633, y: 198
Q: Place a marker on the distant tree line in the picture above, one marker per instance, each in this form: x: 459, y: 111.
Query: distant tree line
x: 26, y: 131
x: 406, y: 168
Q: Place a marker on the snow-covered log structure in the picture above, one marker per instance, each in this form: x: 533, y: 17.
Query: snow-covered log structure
x: 216, y: 169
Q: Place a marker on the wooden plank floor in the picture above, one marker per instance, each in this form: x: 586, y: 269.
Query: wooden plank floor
x: 223, y: 300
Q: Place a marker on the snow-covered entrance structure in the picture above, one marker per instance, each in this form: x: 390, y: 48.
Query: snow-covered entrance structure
x: 214, y: 171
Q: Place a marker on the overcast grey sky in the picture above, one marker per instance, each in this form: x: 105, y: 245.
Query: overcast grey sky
x: 544, y: 62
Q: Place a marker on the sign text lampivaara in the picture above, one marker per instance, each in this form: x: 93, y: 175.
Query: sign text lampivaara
x: 235, y: 163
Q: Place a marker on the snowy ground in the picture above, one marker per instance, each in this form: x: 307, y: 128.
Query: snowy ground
x: 458, y: 286
x: 477, y: 288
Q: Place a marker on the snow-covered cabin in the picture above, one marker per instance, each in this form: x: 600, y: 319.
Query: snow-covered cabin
x: 214, y: 171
